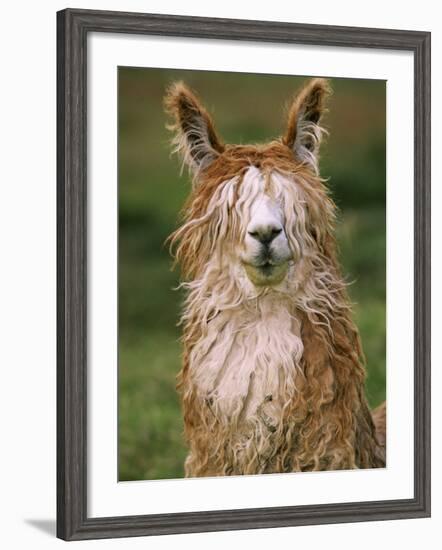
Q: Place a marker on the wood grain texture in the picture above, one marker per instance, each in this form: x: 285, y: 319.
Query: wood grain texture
x: 72, y: 29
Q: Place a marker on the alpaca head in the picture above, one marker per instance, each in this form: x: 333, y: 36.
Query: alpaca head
x: 258, y: 213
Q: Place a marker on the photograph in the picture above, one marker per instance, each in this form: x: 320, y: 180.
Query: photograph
x: 251, y: 273
x: 217, y: 275
x: 243, y: 273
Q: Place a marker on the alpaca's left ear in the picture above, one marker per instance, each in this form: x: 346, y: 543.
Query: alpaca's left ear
x: 304, y: 132
x: 195, y: 137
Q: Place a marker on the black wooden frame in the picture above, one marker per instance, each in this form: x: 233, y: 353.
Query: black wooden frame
x: 73, y: 27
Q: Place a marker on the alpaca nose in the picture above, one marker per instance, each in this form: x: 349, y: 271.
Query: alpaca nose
x: 265, y: 233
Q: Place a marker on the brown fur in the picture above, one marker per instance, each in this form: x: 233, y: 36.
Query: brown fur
x: 327, y: 425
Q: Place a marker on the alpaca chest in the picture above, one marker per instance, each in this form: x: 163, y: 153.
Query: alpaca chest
x: 245, y: 365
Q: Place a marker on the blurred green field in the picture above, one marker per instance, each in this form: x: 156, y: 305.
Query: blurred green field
x: 246, y: 108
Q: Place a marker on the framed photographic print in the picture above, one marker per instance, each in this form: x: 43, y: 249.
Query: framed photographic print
x: 243, y: 274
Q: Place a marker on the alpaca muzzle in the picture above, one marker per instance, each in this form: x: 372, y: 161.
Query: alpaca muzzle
x: 267, y: 273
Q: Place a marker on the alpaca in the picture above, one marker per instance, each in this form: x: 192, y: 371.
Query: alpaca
x: 273, y: 376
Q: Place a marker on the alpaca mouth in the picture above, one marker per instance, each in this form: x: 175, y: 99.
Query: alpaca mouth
x: 266, y: 267
x: 266, y: 273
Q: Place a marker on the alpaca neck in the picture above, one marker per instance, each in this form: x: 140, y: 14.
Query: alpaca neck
x: 247, y: 358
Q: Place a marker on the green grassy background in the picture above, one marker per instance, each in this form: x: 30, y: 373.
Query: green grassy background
x: 246, y: 108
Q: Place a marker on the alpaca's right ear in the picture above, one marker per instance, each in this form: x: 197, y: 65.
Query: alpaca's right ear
x: 195, y: 137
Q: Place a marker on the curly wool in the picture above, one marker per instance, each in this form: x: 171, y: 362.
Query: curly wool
x: 273, y: 378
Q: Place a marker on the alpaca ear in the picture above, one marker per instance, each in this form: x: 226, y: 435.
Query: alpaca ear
x: 195, y: 137
x: 304, y: 132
